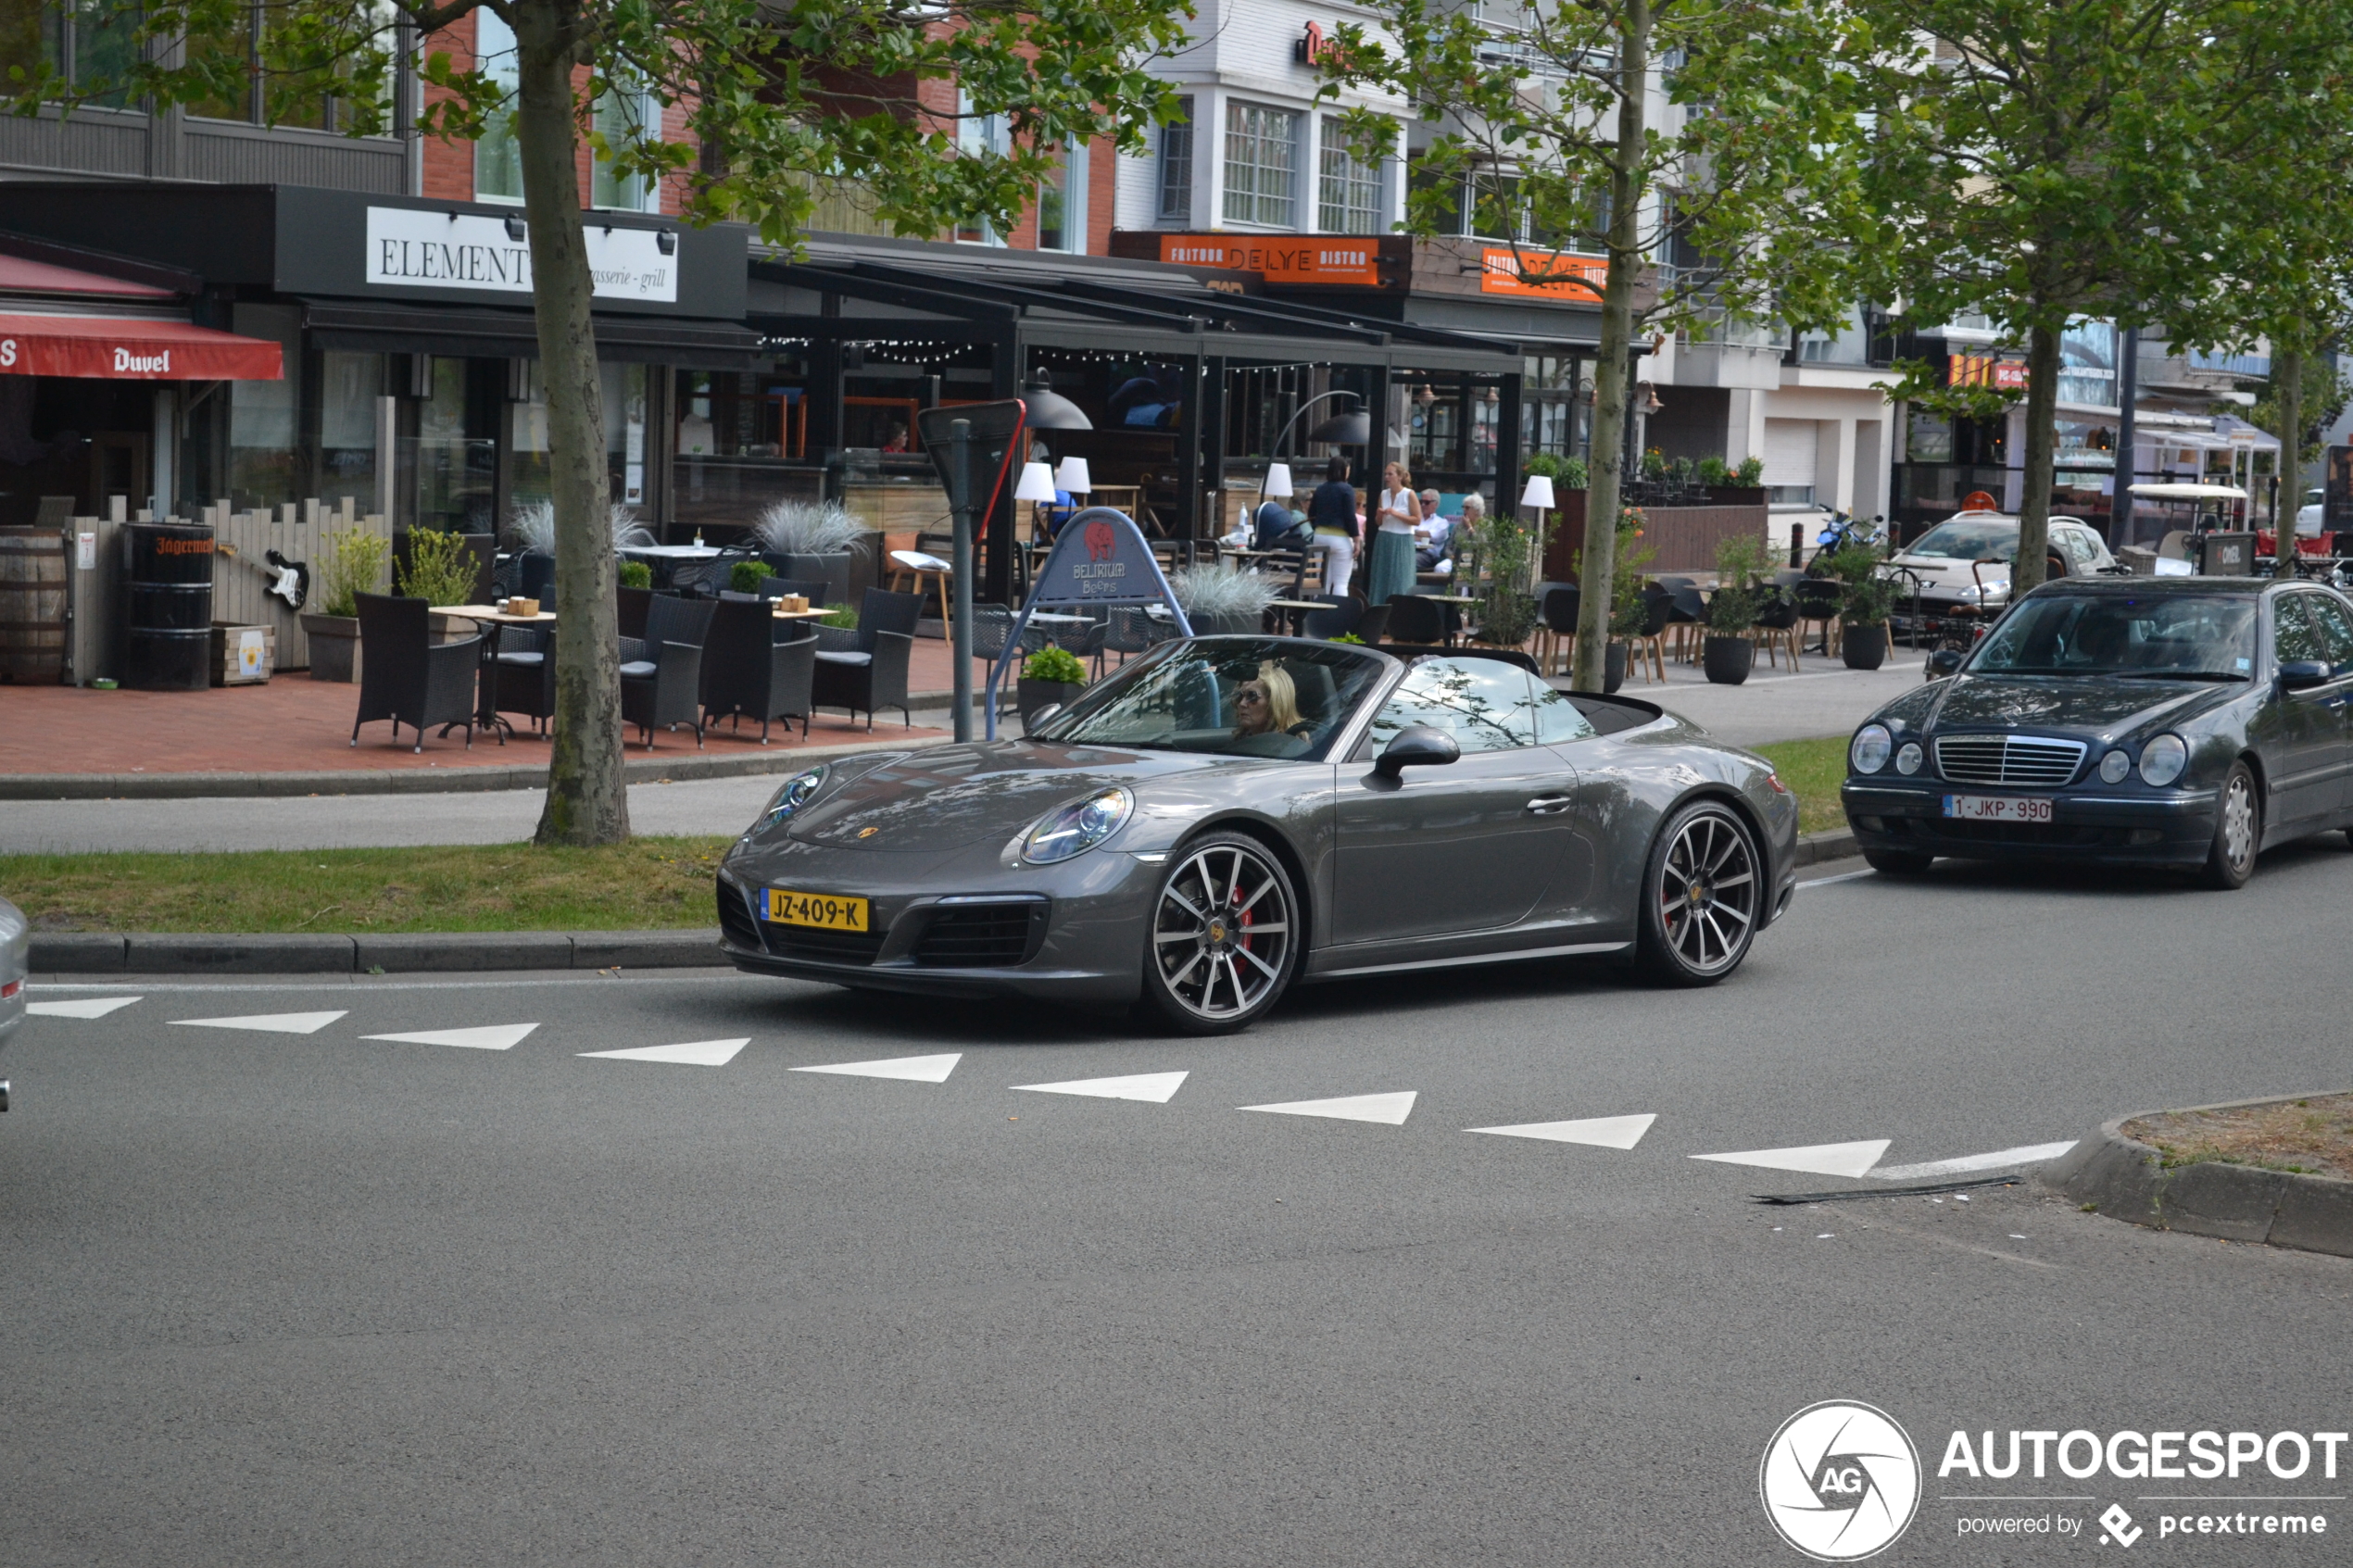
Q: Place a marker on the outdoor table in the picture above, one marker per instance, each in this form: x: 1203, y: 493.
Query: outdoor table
x: 671, y: 552
x: 1048, y: 621
x: 494, y: 622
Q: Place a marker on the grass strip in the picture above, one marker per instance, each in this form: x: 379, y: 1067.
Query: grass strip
x: 1813, y: 769
x: 646, y: 884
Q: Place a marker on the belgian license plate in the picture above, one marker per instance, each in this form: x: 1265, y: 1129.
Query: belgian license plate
x: 826, y: 911
x: 1998, y: 808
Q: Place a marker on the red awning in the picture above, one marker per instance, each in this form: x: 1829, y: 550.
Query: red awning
x: 121, y: 349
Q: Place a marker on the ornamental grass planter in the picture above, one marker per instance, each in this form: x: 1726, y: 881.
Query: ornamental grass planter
x: 1862, y: 648
x: 1728, y: 658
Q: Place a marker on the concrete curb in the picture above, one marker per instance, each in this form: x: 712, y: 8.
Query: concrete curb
x: 427, y: 952
x: 1838, y: 844
x: 423, y: 781
x: 2127, y: 1180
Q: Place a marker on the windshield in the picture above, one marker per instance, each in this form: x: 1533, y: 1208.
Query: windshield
x: 1969, y: 539
x: 1238, y: 696
x: 2186, y: 636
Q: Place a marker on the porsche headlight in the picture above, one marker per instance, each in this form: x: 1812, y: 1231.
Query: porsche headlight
x: 1908, y: 761
x: 2162, y: 761
x: 1872, y: 742
x: 795, y: 794
x: 1077, y: 827
x: 2114, y: 766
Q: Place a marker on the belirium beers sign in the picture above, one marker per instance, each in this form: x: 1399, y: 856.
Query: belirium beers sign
x: 459, y: 250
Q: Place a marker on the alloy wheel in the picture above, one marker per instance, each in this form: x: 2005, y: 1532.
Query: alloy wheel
x: 1708, y: 892
x: 1222, y: 932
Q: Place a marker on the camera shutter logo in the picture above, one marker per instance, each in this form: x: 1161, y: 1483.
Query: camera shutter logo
x: 1840, y: 1481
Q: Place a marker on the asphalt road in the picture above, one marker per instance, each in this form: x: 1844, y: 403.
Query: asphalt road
x: 279, y: 1297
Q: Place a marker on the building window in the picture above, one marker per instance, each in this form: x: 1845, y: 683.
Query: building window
x: 1176, y: 166
x: 624, y: 119
x: 85, y: 42
x: 979, y: 135
x: 1062, y: 204
x: 1349, y: 199
x: 1262, y: 147
x: 497, y: 156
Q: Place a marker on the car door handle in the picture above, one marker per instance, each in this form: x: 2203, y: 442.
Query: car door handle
x: 1546, y: 805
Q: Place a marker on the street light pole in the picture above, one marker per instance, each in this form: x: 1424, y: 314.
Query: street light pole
x: 960, y: 441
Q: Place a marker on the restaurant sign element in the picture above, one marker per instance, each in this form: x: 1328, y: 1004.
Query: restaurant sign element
x: 1099, y: 559
x: 1549, y: 274
x: 1323, y: 260
x: 101, y: 347
x: 471, y: 250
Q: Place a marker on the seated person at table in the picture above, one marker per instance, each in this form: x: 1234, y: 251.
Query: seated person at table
x: 1433, y: 534
x: 1267, y: 705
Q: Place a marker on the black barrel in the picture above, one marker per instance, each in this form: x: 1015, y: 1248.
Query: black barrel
x: 168, y: 590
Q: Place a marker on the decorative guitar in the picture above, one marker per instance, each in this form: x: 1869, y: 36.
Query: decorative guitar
x: 290, y: 580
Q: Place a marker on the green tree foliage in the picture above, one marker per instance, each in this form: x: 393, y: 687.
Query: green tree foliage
x: 1542, y: 115
x: 2037, y: 161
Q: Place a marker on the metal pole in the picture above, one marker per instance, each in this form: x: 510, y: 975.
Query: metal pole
x: 959, y: 437
x: 2128, y: 393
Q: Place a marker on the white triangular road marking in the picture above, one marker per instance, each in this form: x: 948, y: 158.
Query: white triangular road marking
x: 1603, y: 1131
x: 490, y: 1038
x: 914, y: 1069
x: 1391, y: 1108
x: 1153, y: 1086
x: 2031, y: 1154
x: 86, y: 1006
x: 1820, y: 1158
x: 269, y: 1022
x: 695, y: 1053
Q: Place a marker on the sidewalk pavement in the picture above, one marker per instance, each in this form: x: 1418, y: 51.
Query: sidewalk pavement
x: 1822, y: 697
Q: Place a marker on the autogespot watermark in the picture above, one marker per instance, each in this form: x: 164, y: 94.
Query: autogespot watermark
x: 1841, y: 1481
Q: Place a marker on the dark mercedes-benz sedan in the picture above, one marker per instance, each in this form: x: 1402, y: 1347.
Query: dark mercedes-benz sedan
x: 2190, y: 723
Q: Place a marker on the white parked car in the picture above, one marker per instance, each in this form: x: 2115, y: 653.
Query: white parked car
x: 2308, y: 516
x: 1962, y: 567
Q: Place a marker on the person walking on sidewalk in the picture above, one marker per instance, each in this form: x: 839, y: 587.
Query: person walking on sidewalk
x: 1331, y: 510
x: 1391, y: 569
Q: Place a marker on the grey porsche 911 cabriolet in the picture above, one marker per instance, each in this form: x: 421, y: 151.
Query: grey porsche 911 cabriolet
x: 1226, y: 815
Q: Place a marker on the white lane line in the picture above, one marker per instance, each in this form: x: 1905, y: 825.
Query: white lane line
x: 489, y: 1037
x: 268, y: 1023
x: 2028, y: 1154
x: 914, y: 1068
x: 1603, y: 1131
x: 1843, y: 877
x: 88, y: 1007
x: 1820, y: 1158
x: 1155, y: 1086
x: 379, y: 983
x: 1390, y: 1108
x: 694, y: 1053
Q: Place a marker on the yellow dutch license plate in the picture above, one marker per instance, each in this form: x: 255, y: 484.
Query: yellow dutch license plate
x: 826, y: 911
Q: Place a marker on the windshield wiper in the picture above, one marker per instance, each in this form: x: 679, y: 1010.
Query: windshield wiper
x: 2179, y: 675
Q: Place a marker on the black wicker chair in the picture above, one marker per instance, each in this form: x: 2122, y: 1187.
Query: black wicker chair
x: 1819, y: 599
x: 865, y: 670
x: 747, y: 673
x: 1416, y: 619
x: 408, y: 678
x: 523, y: 675
x: 629, y: 605
x: 1337, y: 616
x: 1558, y: 627
x: 661, y: 673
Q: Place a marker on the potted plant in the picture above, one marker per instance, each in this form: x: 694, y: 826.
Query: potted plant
x: 531, y: 534
x: 811, y: 542
x: 353, y: 564
x: 1050, y: 678
x: 1865, y: 600
x: 636, y: 574
x: 1220, y: 599
x: 438, y: 569
x: 1727, y: 655
x: 1507, y: 550
x: 746, y: 576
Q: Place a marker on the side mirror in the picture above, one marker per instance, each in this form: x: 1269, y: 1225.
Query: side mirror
x: 1417, y: 746
x: 1944, y: 662
x: 2297, y: 674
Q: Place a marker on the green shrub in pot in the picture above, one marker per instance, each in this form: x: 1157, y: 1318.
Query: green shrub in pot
x: 746, y: 576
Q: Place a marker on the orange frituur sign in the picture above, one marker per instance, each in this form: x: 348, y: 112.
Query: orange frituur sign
x: 1328, y: 259
x: 1554, y: 276
x: 1980, y: 369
